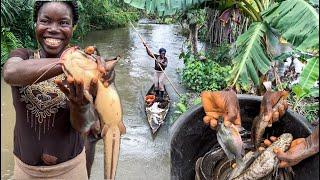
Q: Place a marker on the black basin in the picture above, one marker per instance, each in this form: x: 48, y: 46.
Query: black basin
x: 191, y: 139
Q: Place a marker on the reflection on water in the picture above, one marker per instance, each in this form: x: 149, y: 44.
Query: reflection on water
x: 141, y: 156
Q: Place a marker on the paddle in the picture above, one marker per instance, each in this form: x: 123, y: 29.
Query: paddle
x: 156, y: 60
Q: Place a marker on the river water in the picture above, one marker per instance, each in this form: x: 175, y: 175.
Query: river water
x: 141, y: 155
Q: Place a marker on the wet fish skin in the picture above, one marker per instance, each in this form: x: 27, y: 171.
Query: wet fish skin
x: 230, y: 141
x: 267, y: 162
x: 107, y: 103
x: 259, y: 125
x: 258, y: 128
x: 247, y: 160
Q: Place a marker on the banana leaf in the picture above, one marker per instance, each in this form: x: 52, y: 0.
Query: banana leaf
x: 163, y: 7
x: 297, y: 22
x: 140, y: 4
x: 310, y: 73
x: 251, y: 57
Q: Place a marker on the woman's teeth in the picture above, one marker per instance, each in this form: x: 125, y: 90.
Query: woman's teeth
x: 53, y: 42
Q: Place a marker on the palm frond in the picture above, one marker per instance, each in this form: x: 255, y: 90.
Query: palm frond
x: 8, y: 12
x: 251, y: 57
x: 297, y: 22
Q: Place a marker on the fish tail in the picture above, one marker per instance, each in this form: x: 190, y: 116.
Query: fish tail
x: 111, y: 139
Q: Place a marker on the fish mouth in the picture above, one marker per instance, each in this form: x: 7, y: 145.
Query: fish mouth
x: 53, y: 42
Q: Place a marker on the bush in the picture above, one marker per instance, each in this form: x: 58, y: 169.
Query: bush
x: 200, y: 75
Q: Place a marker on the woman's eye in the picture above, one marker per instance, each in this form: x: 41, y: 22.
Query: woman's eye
x: 44, y: 20
x: 65, y: 23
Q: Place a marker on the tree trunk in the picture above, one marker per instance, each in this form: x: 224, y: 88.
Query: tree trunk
x: 219, y: 33
x: 193, y: 37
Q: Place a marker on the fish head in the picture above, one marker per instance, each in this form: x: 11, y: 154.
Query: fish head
x: 230, y: 140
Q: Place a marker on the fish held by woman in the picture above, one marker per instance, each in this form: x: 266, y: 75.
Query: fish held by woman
x: 267, y: 162
x: 82, y: 66
x: 230, y: 140
x: 260, y: 123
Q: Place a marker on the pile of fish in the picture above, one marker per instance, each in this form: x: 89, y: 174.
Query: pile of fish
x: 236, y: 155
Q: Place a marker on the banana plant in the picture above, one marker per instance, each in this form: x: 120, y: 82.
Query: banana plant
x: 293, y: 21
x: 163, y: 7
x: 306, y: 86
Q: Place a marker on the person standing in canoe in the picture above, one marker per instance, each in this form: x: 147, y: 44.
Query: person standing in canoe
x: 52, y: 115
x: 159, y: 74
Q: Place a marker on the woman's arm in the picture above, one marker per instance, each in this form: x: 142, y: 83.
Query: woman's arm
x: 19, y: 72
x: 165, y: 62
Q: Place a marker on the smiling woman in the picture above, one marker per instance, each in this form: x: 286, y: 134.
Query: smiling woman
x: 50, y: 116
x: 54, y: 25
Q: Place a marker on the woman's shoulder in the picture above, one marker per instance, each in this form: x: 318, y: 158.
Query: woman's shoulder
x: 23, y: 53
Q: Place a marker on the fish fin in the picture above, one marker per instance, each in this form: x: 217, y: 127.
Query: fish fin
x: 111, y: 141
x: 122, y: 128
x: 110, y: 64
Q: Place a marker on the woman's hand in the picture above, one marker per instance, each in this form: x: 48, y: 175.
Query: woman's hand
x: 270, y: 99
x: 82, y: 113
x: 299, y: 150
x: 74, y: 90
x: 221, y: 103
x: 293, y: 156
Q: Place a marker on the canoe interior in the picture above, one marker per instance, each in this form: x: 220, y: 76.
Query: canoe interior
x: 157, y: 112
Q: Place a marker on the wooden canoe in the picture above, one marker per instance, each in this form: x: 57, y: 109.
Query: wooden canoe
x: 156, y: 113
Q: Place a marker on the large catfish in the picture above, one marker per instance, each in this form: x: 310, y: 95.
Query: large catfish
x: 260, y: 123
x: 267, y: 162
x: 82, y: 66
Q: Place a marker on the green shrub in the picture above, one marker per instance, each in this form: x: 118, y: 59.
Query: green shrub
x: 201, y: 75
x: 8, y: 42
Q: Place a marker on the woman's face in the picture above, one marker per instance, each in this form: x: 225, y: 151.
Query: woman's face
x: 54, y: 28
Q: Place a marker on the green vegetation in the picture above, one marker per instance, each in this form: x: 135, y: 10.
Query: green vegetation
x: 207, y: 74
x: 185, y: 102
x: 17, y: 27
x: 273, y: 24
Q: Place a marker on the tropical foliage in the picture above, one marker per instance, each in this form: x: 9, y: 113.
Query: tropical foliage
x: 163, y: 7
x: 207, y: 74
x: 17, y: 27
x: 294, y: 21
x: 302, y: 19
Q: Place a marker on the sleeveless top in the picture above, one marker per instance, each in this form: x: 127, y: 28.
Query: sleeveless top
x: 43, y: 121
